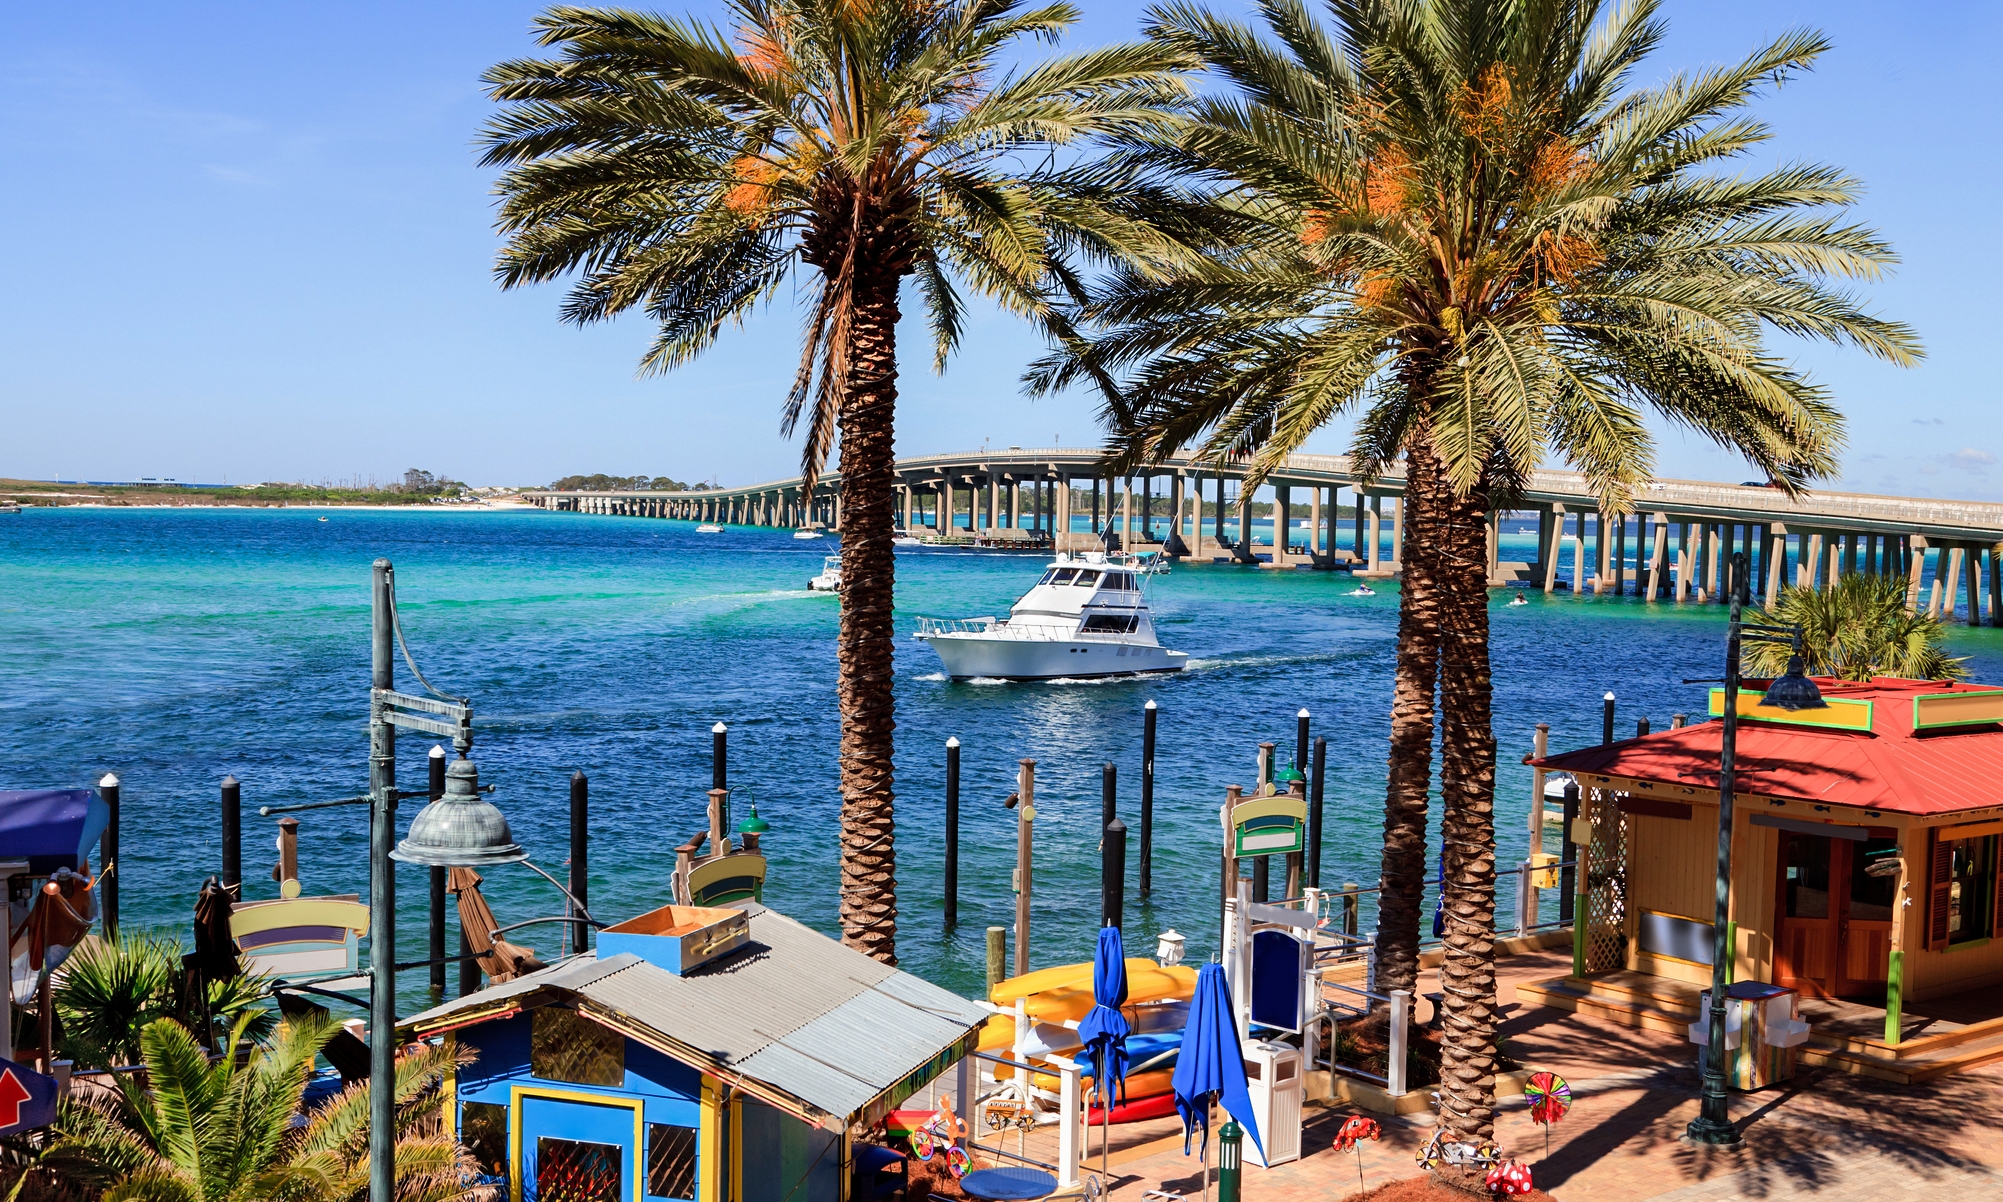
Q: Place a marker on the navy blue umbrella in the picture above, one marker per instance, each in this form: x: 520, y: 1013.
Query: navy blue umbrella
x: 1104, y: 1030
x: 1212, y: 1063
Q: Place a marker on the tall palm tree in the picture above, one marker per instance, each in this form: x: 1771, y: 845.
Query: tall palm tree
x: 1456, y: 225
x: 1857, y: 629
x: 231, y: 1131
x: 692, y: 172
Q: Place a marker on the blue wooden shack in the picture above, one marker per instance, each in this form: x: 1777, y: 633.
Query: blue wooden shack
x: 713, y: 1053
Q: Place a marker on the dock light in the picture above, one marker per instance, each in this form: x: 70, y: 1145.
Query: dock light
x: 461, y: 829
x: 1794, y: 691
x: 753, y: 825
x: 1284, y: 779
x: 1169, y: 948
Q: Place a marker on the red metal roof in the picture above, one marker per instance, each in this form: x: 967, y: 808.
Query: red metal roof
x: 1890, y: 768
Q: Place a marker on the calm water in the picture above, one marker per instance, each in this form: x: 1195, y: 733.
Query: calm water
x: 174, y: 647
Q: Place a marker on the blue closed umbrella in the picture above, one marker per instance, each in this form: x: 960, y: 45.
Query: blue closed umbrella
x: 1104, y: 1030
x: 1212, y: 1064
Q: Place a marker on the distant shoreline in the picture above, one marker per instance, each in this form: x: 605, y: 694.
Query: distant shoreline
x: 345, y: 508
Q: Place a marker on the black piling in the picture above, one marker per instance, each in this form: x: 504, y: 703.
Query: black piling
x: 952, y: 831
x: 1301, y: 740
x: 107, y: 889
x: 1112, y: 873
x: 232, y: 833
x: 1109, y: 794
x: 1147, y: 797
x: 580, y: 860
x: 435, y: 787
x: 1314, y: 811
x: 1568, y: 879
x: 719, y: 766
x: 1640, y: 727
x: 1607, y: 718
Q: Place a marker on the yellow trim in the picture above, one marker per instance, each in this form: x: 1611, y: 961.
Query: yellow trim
x: 1972, y: 830
x: 709, y: 1143
x: 1292, y: 807
x: 1842, y: 713
x: 1931, y: 710
x: 251, y: 918
x: 737, y: 1145
x: 638, y: 1107
x: 449, y: 1088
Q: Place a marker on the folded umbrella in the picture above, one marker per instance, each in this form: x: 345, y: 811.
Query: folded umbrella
x: 1212, y: 1063
x: 1104, y: 1030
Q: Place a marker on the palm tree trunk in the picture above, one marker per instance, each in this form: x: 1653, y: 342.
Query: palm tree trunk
x: 1411, y: 769
x: 865, y: 644
x: 1467, y: 780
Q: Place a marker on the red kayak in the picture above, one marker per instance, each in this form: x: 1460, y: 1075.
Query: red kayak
x: 1133, y: 1110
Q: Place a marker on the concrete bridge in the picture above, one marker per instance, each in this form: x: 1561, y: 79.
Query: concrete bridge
x: 1682, y: 534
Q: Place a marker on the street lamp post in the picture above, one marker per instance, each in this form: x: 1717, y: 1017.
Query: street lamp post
x: 459, y: 829
x: 1793, y: 691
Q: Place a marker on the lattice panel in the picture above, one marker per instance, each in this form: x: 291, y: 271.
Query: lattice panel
x: 1606, y: 885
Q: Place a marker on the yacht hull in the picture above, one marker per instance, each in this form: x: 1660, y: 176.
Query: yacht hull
x: 966, y: 656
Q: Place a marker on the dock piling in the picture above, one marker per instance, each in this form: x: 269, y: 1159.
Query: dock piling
x: 1314, y: 810
x: 1112, y: 874
x: 107, y: 875
x: 1147, y: 797
x: 719, y: 769
x: 580, y: 860
x: 952, y: 898
x: 1607, y: 717
x: 232, y: 800
x: 997, y: 956
x: 1109, y: 793
x: 1025, y: 818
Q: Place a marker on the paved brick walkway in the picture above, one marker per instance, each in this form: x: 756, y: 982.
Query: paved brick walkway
x: 1828, y: 1136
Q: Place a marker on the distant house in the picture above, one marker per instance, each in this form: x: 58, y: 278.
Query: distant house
x: 698, y: 1048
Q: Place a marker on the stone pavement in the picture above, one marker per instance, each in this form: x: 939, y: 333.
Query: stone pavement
x: 1826, y: 1136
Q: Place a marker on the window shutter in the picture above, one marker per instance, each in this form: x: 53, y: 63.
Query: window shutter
x: 1940, y: 869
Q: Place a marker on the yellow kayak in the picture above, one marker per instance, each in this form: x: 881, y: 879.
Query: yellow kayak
x: 1139, y: 1085
x: 1151, y: 984
x: 1063, y: 976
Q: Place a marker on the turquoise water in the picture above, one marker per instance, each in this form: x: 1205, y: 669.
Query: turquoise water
x: 176, y: 646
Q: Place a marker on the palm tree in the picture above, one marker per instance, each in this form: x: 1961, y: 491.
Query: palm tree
x: 692, y: 172
x: 1857, y: 629
x: 1454, y: 224
x: 229, y: 1130
x: 108, y: 991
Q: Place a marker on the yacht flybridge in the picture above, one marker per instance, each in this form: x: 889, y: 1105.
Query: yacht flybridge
x: 1088, y: 616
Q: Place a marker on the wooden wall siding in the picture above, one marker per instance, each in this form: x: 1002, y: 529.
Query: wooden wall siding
x: 1755, y: 861
x: 1672, y: 865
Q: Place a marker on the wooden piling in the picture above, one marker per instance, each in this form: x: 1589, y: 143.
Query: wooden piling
x: 997, y: 956
x: 952, y: 899
x: 1025, y: 818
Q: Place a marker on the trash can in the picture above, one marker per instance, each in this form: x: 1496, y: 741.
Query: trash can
x: 1763, y: 1027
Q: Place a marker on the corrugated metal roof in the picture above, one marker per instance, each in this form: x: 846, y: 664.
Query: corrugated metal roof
x: 794, y: 1009
x: 1891, y: 768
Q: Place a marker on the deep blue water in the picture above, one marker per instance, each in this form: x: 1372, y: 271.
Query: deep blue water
x: 176, y: 646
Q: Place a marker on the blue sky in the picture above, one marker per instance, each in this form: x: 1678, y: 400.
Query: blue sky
x: 251, y: 242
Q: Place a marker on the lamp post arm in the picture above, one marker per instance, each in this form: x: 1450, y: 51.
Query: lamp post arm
x: 596, y: 925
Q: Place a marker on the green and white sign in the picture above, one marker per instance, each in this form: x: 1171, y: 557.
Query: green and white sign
x: 1269, y: 826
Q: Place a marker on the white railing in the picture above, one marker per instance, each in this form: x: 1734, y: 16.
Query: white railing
x: 927, y: 626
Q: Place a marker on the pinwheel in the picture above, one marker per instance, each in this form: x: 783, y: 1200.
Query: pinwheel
x: 1549, y: 1099
x: 1354, y: 1131
x: 1509, y: 1177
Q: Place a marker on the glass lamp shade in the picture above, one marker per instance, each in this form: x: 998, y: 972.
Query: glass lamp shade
x: 1794, y: 691
x: 461, y: 829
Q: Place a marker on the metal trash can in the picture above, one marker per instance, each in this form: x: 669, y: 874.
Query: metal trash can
x: 1763, y: 1027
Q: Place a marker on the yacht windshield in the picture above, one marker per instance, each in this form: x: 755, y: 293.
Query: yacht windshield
x: 1059, y: 575
x: 1086, y: 578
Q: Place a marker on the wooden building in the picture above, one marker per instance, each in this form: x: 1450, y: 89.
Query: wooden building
x: 1865, y: 860
x: 713, y: 1053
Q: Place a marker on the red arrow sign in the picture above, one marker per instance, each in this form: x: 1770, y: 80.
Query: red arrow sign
x: 12, y: 1094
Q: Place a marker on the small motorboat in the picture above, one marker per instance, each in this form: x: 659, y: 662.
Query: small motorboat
x: 904, y: 538
x: 323, y: 519
x: 709, y: 528
x: 1519, y: 599
x: 807, y: 532
x: 830, y: 579
x: 1363, y: 590
x: 1086, y: 617
x: 13, y: 507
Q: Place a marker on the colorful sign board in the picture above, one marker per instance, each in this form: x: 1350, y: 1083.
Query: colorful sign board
x: 300, y: 938
x: 1841, y: 713
x: 27, y: 1098
x: 1932, y: 711
x: 1269, y: 826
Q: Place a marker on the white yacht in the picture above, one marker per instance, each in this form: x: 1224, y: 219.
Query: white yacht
x: 807, y: 532
x: 709, y: 528
x: 830, y: 579
x: 1086, y: 617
